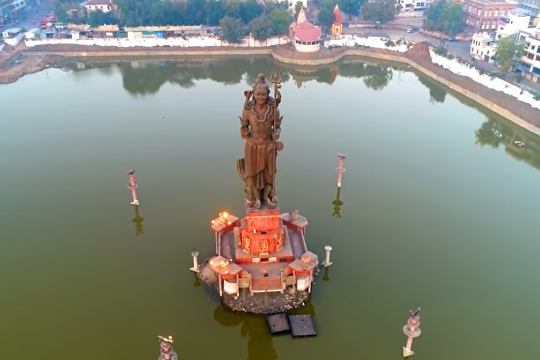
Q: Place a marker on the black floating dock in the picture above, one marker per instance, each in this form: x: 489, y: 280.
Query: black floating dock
x: 302, y: 325
x: 278, y: 323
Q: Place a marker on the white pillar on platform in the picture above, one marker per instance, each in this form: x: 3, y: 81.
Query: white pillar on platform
x: 327, y: 262
x: 195, y: 267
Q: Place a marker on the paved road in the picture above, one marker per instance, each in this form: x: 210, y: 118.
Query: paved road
x: 456, y: 48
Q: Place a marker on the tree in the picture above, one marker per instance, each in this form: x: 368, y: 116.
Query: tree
x: 162, y: 13
x: 351, y: 7
x: 446, y: 17
x: 379, y: 10
x: 297, y: 7
x: 325, y: 16
x: 260, y: 28
x: 195, y: 14
x: 96, y: 18
x: 214, y: 11
x: 134, y: 13
x: 232, y: 29
x: 508, y: 49
x: 250, y: 9
x: 280, y: 20
x: 453, y: 19
x: 61, y: 7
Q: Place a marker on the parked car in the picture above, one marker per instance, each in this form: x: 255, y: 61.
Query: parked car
x: 412, y: 29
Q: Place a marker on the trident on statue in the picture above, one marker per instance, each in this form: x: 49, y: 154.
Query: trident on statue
x: 276, y: 80
x: 412, y: 330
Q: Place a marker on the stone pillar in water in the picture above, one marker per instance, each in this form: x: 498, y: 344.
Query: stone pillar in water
x: 195, y: 267
x: 132, y: 185
x: 412, y: 330
x: 327, y: 261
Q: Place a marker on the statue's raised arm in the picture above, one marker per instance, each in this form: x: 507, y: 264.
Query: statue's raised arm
x: 260, y: 125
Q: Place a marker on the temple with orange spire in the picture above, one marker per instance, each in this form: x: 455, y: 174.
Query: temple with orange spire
x: 337, y: 23
x: 306, y: 36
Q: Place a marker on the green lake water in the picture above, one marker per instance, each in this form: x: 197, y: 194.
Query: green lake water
x: 440, y: 209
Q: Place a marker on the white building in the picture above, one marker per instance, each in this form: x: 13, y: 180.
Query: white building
x: 515, y: 22
x: 530, y: 61
x: 101, y: 5
x: 18, y: 5
x: 13, y: 36
x: 409, y: 5
x: 33, y: 34
x: 483, y: 47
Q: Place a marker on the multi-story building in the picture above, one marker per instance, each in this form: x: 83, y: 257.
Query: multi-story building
x: 514, y: 23
x: 18, y: 5
x: 484, y: 15
x: 531, y: 7
x: 483, y: 46
x: 530, y: 61
x: 101, y: 5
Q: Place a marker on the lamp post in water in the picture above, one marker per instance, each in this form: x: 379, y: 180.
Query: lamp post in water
x: 340, y: 168
x: 132, y: 185
x: 412, y: 330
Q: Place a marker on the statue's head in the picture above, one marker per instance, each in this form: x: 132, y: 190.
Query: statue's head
x: 261, y: 85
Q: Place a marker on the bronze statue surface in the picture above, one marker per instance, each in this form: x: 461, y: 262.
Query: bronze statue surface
x: 260, y: 125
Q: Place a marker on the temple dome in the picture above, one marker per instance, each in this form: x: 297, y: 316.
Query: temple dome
x: 306, y: 36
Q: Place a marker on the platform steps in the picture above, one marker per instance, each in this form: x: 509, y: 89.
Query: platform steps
x: 266, y: 284
x: 298, y: 325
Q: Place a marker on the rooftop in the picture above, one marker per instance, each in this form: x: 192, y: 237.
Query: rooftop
x: 492, y: 2
x: 13, y: 30
x: 306, y: 31
x: 338, y: 17
x: 98, y: 2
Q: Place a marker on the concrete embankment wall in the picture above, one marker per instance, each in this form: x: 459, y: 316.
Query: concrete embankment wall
x: 490, y: 105
x: 506, y: 113
x: 332, y: 56
x: 155, y: 53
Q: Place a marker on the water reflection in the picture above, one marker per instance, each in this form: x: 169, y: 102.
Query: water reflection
x: 137, y: 221
x: 196, y: 281
x: 518, y: 142
x: 436, y: 92
x: 260, y: 342
x: 255, y: 328
x: 326, y: 274
x: 141, y: 77
x: 337, y: 203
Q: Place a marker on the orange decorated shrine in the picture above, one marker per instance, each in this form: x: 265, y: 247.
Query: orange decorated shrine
x: 337, y: 22
x: 263, y: 252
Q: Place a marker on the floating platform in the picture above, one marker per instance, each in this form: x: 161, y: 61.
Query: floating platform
x: 262, y: 263
x: 278, y: 323
x: 302, y: 325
